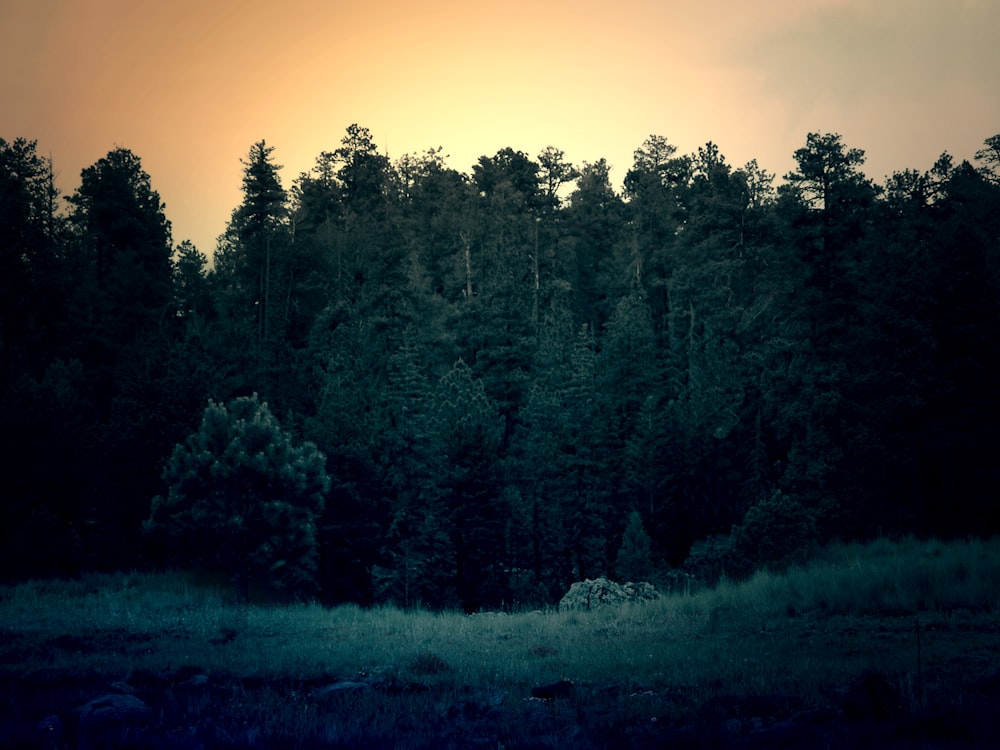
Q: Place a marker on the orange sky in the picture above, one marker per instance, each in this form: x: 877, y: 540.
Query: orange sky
x: 189, y: 85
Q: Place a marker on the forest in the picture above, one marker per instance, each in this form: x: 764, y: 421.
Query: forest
x: 397, y: 382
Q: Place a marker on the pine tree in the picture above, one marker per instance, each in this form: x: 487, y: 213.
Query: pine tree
x: 251, y: 261
x: 125, y: 236
x: 243, y: 496
x: 465, y: 432
x: 635, y: 561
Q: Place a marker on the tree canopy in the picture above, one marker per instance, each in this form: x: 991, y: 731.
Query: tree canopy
x: 242, y: 495
x: 493, y: 383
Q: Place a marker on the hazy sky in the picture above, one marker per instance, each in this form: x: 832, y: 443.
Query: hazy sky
x: 189, y: 85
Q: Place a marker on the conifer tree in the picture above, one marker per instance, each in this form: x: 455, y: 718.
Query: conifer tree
x: 243, y: 496
x: 125, y: 237
x: 635, y: 561
x: 251, y: 260
x: 465, y: 432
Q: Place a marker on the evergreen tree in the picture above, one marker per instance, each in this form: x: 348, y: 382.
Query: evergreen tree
x: 466, y: 430
x: 653, y: 187
x: 635, y: 561
x: 251, y: 264
x: 125, y: 238
x: 595, y: 221
x: 33, y: 283
x: 242, y: 495
x: 192, y: 298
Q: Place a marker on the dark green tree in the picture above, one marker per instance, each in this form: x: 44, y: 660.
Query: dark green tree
x: 561, y: 467
x: 251, y: 263
x: 989, y: 155
x: 465, y: 429
x: 595, y: 222
x: 244, y: 496
x: 776, y: 532
x: 832, y: 197
x: 554, y: 172
x: 365, y: 175
x: 47, y: 463
x: 125, y: 237
x: 192, y: 296
x: 827, y: 204
x: 123, y: 318
x: 418, y: 564
x: 654, y: 188
x: 509, y: 172
x: 33, y: 283
x: 635, y: 561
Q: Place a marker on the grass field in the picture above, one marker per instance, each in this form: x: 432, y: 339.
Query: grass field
x: 779, y: 658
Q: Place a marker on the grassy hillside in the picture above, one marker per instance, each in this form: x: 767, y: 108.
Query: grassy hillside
x: 920, y: 615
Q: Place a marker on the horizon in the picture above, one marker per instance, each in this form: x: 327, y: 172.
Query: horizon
x: 186, y: 88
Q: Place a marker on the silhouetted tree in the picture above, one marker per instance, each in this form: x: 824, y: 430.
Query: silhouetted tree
x: 124, y: 235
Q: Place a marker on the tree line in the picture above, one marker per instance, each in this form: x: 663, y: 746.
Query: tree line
x: 488, y: 385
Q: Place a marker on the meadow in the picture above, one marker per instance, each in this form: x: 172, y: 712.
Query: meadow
x: 886, y: 644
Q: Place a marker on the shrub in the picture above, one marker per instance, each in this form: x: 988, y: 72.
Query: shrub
x: 775, y: 532
x: 426, y: 663
x: 717, y: 557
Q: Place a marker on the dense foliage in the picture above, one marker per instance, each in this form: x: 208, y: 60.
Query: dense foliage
x: 243, y: 496
x: 506, y: 368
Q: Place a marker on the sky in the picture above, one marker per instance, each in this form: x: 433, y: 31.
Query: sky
x: 188, y: 86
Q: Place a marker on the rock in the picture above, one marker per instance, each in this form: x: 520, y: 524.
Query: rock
x: 113, y: 711
x: 601, y: 592
x: 552, y: 691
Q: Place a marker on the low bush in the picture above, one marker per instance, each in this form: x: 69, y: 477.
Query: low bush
x: 776, y: 532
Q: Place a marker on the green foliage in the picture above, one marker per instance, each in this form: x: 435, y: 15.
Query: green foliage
x: 465, y: 432
x: 635, y: 561
x: 122, y: 228
x: 683, y: 345
x: 243, y: 496
x: 31, y: 280
x: 775, y: 532
x: 717, y: 558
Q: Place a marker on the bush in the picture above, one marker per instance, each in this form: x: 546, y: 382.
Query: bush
x: 775, y: 533
x: 715, y: 558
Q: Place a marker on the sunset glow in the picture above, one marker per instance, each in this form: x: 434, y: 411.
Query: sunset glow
x: 188, y: 86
